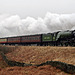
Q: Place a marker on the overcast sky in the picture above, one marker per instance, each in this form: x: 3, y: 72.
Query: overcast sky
x: 36, y: 8
x: 21, y: 17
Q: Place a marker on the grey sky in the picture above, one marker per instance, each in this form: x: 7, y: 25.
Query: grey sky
x: 36, y: 8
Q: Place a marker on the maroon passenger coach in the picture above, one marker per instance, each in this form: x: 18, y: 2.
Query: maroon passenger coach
x: 13, y: 40
x: 31, y: 39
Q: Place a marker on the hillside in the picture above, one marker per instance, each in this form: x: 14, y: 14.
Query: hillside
x: 37, y: 55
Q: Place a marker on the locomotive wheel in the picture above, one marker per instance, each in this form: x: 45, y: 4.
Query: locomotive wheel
x: 61, y: 44
x: 66, y: 44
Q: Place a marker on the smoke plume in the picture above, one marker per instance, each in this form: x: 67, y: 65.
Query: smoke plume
x: 15, y: 26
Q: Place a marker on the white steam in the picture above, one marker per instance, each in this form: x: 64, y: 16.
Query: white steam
x: 15, y: 26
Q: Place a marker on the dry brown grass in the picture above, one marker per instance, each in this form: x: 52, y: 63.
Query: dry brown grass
x: 2, y: 63
x: 37, y: 55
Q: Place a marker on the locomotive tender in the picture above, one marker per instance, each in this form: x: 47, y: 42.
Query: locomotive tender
x: 60, y: 38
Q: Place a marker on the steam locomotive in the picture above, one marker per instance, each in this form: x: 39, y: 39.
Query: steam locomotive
x: 60, y: 38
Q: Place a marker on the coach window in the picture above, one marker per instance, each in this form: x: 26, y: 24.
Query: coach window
x: 24, y: 38
x: 35, y: 38
x: 27, y: 38
x: 31, y: 38
x: 38, y: 38
x: 15, y: 39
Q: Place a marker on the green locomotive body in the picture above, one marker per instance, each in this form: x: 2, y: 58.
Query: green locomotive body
x: 47, y: 37
x: 64, y: 34
x: 65, y: 38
